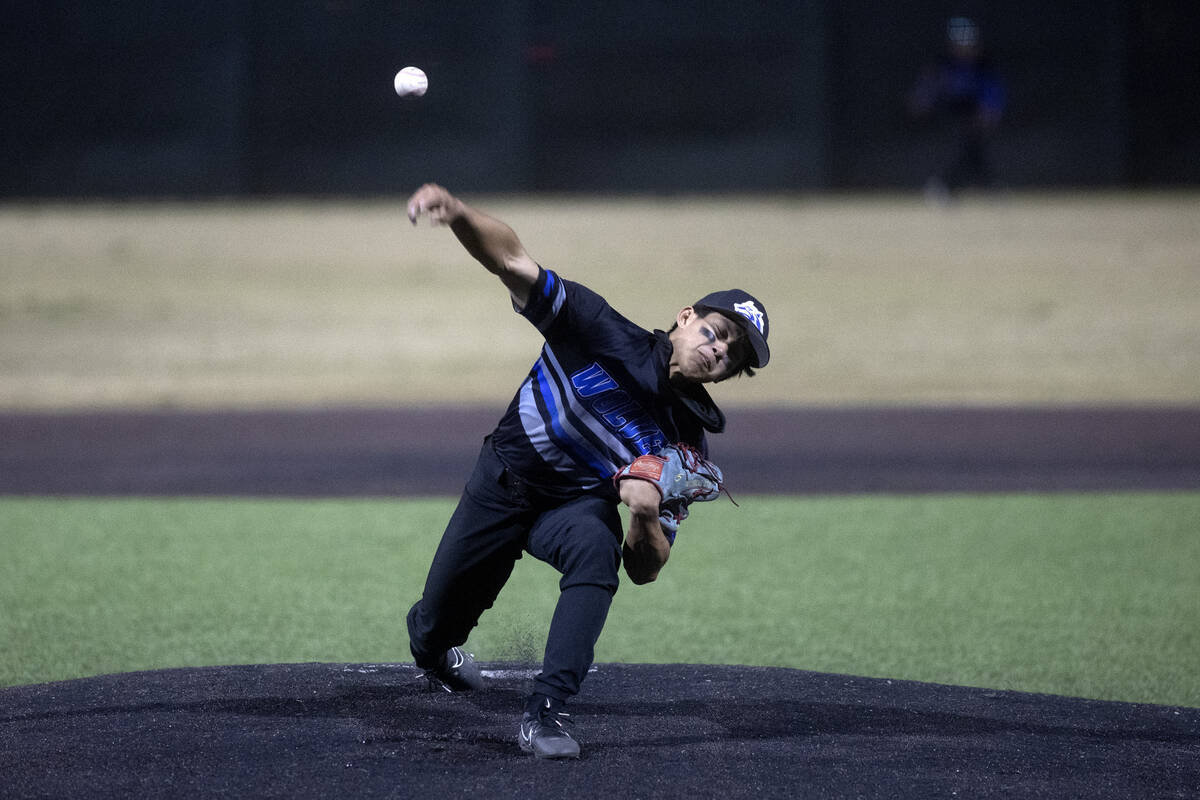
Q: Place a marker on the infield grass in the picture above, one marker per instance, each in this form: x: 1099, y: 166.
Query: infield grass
x: 1082, y: 595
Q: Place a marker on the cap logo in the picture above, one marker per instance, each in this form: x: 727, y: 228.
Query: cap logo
x: 750, y: 312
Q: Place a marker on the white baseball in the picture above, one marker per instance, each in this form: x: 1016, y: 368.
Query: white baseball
x: 410, y: 81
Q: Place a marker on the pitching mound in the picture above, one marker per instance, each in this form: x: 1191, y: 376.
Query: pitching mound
x: 374, y: 730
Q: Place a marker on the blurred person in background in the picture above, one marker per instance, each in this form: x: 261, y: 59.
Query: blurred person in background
x: 963, y: 88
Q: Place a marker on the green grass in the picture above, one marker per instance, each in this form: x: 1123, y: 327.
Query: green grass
x: 1084, y: 595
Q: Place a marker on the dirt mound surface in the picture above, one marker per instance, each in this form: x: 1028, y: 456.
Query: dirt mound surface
x: 375, y: 730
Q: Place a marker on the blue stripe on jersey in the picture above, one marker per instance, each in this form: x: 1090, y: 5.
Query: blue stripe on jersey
x: 543, y: 310
x: 579, y: 419
x: 610, y: 447
x: 554, y: 417
x: 532, y: 411
x: 600, y: 437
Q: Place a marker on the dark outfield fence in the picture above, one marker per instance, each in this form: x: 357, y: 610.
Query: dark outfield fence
x: 148, y: 98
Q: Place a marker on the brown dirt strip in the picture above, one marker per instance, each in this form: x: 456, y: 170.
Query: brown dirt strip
x: 408, y: 452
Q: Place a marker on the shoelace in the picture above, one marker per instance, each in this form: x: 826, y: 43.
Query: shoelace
x: 431, y: 675
x: 696, y: 462
x: 548, y: 717
x: 436, y: 683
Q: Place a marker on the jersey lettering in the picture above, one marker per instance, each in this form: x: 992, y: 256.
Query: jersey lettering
x: 616, y: 409
x: 592, y: 380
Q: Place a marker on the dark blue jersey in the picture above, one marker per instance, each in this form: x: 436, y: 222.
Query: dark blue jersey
x: 968, y: 87
x: 598, y: 396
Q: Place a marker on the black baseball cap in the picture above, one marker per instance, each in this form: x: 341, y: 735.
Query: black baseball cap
x: 744, y: 309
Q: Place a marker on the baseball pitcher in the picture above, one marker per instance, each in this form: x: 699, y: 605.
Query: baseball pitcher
x: 610, y: 413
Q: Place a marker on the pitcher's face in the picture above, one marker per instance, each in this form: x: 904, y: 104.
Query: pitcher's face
x: 707, y: 347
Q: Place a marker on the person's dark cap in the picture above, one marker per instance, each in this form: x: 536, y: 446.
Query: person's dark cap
x: 747, y: 311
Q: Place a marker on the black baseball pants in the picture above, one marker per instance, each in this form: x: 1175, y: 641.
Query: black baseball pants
x: 498, y: 519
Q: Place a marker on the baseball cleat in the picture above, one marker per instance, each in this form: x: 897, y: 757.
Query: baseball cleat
x: 542, y: 734
x: 458, y: 672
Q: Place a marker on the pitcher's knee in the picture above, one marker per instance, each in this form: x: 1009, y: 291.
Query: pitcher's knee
x: 594, y: 559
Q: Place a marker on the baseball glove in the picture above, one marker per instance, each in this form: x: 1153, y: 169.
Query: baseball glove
x: 682, y: 476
